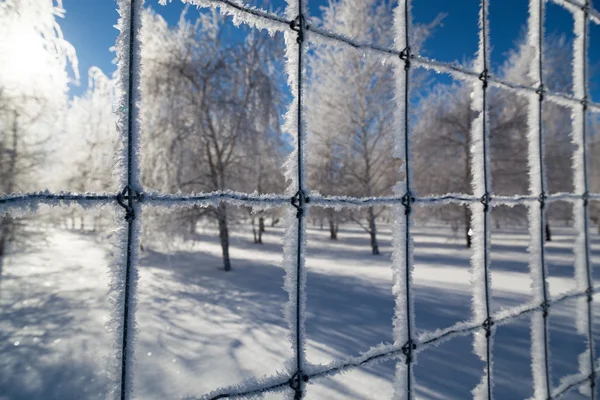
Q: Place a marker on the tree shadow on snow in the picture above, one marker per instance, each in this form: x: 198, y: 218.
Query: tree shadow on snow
x: 39, y: 359
x: 348, y: 314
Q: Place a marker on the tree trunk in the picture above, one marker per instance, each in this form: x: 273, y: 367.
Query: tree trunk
x: 224, y: 235
x: 5, y: 232
x: 373, y: 232
x: 548, y: 233
x: 467, y: 178
x: 2, y: 249
x: 332, y: 230
x: 261, y: 225
x: 468, y: 231
x: 6, y: 224
x: 260, y: 232
x: 82, y: 222
x: 331, y: 219
x: 254, y: 237
x: 2, y: 242
x: 192, y: 226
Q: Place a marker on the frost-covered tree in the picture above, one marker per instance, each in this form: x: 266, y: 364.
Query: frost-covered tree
x: 441, y: 145
x: 442, y: 134
x: 351, y: 105
x: 210, y: 109
x: 92, y: 135
x: 35, y: 66
x: 90, y: 141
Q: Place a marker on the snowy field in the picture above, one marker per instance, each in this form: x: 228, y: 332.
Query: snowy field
x: 201, y: 328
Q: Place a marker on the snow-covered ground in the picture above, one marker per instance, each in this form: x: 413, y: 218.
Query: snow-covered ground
x: 201, y: 328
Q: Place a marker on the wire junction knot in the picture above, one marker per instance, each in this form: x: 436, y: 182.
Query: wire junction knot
x: 406, y: 55
x: 483, y: 77
x: 485, y: 200
x: 125, y: 199
x: 487, y: 325
x: 295, y: 383
x: 540, y: 92
x: 407, y: 201
x: 298, y: 201
x: 298, y: 24
x: 584, y: 103
x: 590, y: 294
x: 545, y: 307
x: 542, y: 199
x: 407, y: 350
x: 586, y: 7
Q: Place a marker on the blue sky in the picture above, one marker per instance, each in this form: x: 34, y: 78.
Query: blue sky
x: 89, y: 26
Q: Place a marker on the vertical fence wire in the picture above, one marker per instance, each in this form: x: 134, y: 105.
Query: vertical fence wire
x: 583, y: 268
x: 486, y: 208
x: 129, y: 196
x: 584, y: 87
x: 402, y: 238
x: 481, y: 213
x: 299, y: 201
x: 540, y: 362
x: 409, y: 346
x: 299, y: 392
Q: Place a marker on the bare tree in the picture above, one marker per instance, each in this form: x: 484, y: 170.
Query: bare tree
x: 33, y: 87
x: 211, y: 108
x: 442, y: 136
x: 351, y: 101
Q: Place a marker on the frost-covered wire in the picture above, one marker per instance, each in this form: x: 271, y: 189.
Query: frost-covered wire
x: 295, y: 236
x: 384, y: 352
x: 13, y: 203
x: 577, y: 5
x: 406, y: 345
x: 402, y: 255
x: 540, y: 363
x: 570, y: 382
x: 125, y: 275
x: 583, y: 275
x: 480, y: 212
x: 256, y: 17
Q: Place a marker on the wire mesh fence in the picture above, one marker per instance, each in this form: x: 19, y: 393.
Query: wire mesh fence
x: 407, y: 345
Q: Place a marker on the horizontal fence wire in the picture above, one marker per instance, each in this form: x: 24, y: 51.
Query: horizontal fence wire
x: 10, y: 202
x: 132, y: 196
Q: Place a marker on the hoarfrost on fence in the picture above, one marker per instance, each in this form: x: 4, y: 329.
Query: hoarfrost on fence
x: 298, y: 30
